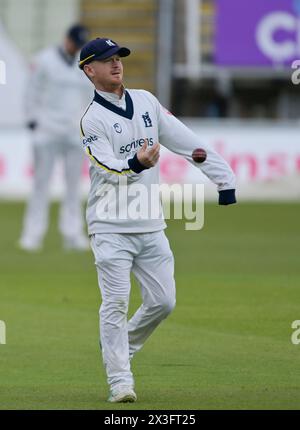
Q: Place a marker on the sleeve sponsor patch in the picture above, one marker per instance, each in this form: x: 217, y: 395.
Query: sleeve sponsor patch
x: 89, y: 140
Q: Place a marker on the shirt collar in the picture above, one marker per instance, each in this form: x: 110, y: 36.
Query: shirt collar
x: 126, y: 111
x: 112, y: 97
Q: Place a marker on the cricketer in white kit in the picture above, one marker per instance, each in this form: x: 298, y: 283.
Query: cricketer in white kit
x: 121, y: 132
x: 55, y: 97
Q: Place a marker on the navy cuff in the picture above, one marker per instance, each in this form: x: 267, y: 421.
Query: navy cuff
x: 135, y: 165
x: 227, y: 197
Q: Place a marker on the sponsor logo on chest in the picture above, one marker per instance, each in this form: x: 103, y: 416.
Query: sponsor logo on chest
x: 136, y: 144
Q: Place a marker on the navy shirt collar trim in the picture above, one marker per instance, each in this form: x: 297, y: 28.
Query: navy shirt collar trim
x: 127, y: 113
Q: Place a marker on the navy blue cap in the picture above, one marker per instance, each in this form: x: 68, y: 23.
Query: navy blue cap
x: 78, y: 34
x: 99, y: 49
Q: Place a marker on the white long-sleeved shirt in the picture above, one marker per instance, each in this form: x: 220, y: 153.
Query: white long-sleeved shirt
x: 112, y: 135
x: 56, y: 95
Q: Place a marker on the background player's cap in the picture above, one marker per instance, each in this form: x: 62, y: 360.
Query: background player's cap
x: 99, y: 49
x: 78, y: 34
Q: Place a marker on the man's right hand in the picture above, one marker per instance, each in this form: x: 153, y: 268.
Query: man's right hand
x: 148, y: 157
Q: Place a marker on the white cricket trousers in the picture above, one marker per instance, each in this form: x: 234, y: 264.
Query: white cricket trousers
x: 70, y: 217
x: 149, y: 257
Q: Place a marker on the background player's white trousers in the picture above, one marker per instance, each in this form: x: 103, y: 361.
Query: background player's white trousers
x: 149, y: 257
x: 70, y: 217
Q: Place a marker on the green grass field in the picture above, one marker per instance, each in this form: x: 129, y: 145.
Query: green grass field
x: 227, y: 345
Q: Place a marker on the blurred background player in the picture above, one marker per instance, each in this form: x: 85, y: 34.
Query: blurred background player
x: 55, y: 97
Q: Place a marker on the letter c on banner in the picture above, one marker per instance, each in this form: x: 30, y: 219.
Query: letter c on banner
x: 278, y: 52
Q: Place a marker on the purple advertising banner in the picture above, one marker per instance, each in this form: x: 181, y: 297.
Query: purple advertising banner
x: 257, y: 32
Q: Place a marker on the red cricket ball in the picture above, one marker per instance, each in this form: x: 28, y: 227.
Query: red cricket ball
x: 199, y: 155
